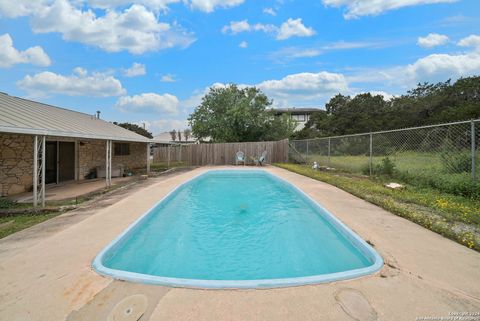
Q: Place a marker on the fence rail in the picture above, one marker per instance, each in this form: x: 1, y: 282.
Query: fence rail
x: 221, y: 153
x: 444, y: 156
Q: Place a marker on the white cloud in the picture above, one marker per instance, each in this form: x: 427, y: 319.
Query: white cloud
x: 286, y: 54
x: 358, y: 8
x: 210, y: 5
x: 148, y: 103
x: 243, y: 26
x: 432, y: 40
x: 10, y: 56
x: 290, y: 28
x: 439, y: 67
x: 79, y: 84
x: 20, y: 8
x: 470, y: 41
x: 294, y: 28
x: 168, y: 78
x: 269, y: 11
x: 306, y: 83
x: 431, y: 68
x: 156, y: 5
x: 243, y: 44
x: 135, y: 29
x: 137, y: 69
x: 164, y: 125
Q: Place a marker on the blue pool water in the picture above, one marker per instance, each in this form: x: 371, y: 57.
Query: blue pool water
x: 237, y: 228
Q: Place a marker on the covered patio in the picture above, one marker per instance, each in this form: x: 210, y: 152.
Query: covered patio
x: 44, y: 147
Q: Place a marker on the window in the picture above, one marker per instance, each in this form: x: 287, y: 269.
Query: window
x: 121, y: 149
x: 299, y: 117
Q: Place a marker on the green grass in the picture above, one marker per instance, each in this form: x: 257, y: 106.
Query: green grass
x: 13, y: 224
x: 416, y: 168
x: 453, y: 216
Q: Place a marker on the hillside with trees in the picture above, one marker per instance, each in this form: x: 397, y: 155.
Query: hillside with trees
x: 426, y: 104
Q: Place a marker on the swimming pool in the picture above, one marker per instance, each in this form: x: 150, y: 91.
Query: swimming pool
x: 237, y: 229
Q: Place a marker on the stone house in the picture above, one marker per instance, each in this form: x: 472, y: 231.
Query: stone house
x: 42, y: 144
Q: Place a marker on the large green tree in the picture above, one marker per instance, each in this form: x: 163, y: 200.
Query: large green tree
x: 135, y: 128
x: 234, y: 114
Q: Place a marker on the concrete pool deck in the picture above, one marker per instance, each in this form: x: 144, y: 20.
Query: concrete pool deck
x: 425, y: 275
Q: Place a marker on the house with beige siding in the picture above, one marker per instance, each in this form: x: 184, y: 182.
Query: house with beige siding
x: 42, y: 144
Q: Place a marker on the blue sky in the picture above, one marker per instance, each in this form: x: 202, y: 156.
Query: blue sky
x: 151, y: 61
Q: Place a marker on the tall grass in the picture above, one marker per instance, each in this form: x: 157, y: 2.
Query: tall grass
x: 449, y: 174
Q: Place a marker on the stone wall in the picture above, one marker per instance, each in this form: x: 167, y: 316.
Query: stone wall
x: 16, y: 160
x: 91, y: 153
x: 16, y: 164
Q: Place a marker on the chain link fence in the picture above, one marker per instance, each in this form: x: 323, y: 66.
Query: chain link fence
x: 443, y: 156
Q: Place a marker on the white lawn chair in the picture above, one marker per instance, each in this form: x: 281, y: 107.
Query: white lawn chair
x: 261, y: 160
x: 240, y: 157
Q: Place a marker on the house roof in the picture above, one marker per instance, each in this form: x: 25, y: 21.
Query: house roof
x: 166, y: 138
x: 296, y: 111
x: 23, y: 116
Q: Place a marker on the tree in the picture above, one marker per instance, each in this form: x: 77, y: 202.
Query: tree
x: 423, y: 105
x: 173, y: 134
x: 179, y: 135
x: 233, y: 114
x: 135, y: 128
x: 186, y: 134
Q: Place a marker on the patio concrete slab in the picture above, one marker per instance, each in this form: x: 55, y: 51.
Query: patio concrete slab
x: 72, y: 189
x: 425, y: 275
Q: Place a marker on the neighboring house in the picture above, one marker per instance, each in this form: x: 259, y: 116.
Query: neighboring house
x: 165, y: 139
x: 76, y: 146
x: 300, y: 115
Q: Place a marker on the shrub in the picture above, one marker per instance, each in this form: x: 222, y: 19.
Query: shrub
x: 456, y: 162
x: 386, y: 167
x: 6, y: 203
x: 456, y: 184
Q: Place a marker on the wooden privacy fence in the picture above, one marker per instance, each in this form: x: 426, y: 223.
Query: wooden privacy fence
x: 222, y: 153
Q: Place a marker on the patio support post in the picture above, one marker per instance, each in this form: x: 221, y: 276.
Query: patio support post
x: 108, y: 163
x: 472, y: 131
x: 371, y: 155
x: 39, y: 146
x: 35, y: 171
x: 148, y: 158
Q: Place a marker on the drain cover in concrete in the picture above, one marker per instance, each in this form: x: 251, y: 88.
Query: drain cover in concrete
x: 354, y: 303
x: 108, y: 300
x: 129, y: 309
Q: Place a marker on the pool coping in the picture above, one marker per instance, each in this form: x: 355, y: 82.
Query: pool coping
x: 351, y: 236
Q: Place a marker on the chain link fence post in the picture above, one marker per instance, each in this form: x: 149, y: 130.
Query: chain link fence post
x: 370, y: 161
x: 473, y: 148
